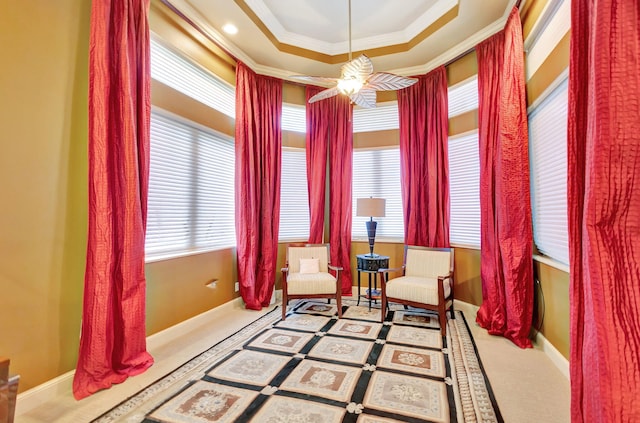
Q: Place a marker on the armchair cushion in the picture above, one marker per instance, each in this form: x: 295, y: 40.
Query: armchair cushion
x: 311, y: 265
x: 311, y: 283
x: 295, y: 254
x: 417, y: 289
x: 427, y: 263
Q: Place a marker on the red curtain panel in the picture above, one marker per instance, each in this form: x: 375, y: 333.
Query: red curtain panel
x: 257, y: 184
x: 506, y: 231
x: 340, y: 176
x: 490, y: 54
x: 113, y: 338
x: 424, y: 163
x: 317, y: 143
x: 603, y: 196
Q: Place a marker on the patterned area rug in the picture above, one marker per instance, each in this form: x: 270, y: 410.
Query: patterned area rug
x: 314, y: 367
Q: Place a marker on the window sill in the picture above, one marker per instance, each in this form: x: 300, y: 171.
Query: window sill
x: 170, y: 256
x: 551, y: 262
x: 380, y: 240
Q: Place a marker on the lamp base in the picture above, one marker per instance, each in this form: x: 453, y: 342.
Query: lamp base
x: 371, y: 234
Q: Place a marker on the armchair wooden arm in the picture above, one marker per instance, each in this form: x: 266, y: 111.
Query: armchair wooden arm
x: 395, y: 269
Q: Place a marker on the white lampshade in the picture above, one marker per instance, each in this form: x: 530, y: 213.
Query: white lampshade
x: 370, y: 207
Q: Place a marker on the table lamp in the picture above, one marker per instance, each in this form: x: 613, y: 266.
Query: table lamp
x: 371, y: 207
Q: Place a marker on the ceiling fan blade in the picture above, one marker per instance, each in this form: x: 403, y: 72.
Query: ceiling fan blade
x: 366, y: 98
x: 360, y: 68
x: 315, y: 79
x: 329, y: 92
x: 382, y: 81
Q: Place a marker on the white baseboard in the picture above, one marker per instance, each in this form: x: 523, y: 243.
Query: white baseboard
x: 49, y: 390
x: 547, y: 347
x: 45, y: 392
x: 554, y: 355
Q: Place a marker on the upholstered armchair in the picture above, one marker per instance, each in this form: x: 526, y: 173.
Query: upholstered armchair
x: 426, y: 282
x: 308, y: 274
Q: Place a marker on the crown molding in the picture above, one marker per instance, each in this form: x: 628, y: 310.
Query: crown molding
x: 551, y: 9
x: 205, y: 28
x: 467, y: 45
x: 201, y: 24
x: 426, y: 19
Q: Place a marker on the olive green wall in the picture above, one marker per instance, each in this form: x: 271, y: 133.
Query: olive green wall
x: 43, y: 166
x: 43, y: 220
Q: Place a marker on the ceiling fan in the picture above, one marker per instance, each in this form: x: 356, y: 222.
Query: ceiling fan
x: 357, y: 80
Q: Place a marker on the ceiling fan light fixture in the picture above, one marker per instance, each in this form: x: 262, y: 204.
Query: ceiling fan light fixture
x: 349, y: 86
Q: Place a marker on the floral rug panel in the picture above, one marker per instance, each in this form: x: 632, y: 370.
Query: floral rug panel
x: 315, y: 368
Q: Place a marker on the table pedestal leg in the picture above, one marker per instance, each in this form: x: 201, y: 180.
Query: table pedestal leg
x: 370, y: 292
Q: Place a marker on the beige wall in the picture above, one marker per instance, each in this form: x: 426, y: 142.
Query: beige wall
x: 177, y: 288
x: 554, y: 283
x: 553, y: 306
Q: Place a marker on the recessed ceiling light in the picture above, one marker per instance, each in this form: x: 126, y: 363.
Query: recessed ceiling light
x: 230, y: 29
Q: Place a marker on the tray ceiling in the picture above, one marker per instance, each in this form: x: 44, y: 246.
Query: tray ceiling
x: 311, y: 37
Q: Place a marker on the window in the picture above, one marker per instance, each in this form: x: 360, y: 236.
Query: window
x: 548, y: 155
x: 294, y: 118
x: 380, y: 118
x: 376, y: 173
x: 464, y: 170
x: 191, y: 194
x: 464, y: 190
x: 190, y: 79
x: 294, y: 197
x: 463, y: 97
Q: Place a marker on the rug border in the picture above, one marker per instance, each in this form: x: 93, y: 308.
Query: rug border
x: 265, y: 316
x: 492, y: 396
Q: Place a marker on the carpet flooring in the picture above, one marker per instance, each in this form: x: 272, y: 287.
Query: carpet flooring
x: 314, y: 367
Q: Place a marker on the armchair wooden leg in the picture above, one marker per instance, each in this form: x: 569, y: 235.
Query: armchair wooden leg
x: 339, y: 304
x: 383, y: 306
x: 284, y: 305
x: 442, y: 318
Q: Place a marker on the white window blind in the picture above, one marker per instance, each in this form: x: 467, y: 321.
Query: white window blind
x: 464, y: 190
x: 191, y: 197
x: 463, y: 97
x: 382, y: 117
x: 294, y: 118
x: 548, y: 155
x: 190, y: 79
x: 376, y: 173
x: 294, y: 197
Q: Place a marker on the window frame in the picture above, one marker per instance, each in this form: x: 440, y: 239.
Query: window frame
x: 192, y: 249
x: 358, y: 222
x: 304, y: 198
